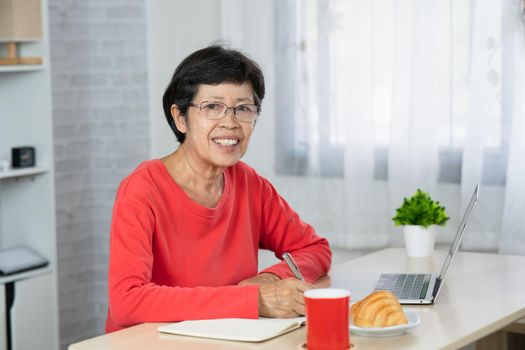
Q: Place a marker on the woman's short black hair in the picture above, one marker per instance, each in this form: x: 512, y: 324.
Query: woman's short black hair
x: 212, y: 65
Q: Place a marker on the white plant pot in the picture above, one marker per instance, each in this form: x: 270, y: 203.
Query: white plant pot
x: 419, y: 241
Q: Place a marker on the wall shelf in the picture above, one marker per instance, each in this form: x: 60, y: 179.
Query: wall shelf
x: 14, y: 173
x: 26, y: 274
x: 21, y: 68
x: 29, y: 299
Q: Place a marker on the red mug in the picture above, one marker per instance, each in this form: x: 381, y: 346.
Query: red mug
x: 327, y: 319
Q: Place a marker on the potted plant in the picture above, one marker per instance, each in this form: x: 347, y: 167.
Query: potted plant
x: 419, y: 215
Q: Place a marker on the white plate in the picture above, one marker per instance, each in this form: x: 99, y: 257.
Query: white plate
x: 413, y: 320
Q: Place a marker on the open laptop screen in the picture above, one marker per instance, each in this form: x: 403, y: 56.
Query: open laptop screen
x: 459, y: 234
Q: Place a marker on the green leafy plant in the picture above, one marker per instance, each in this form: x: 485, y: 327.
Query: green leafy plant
x: 420, y: 210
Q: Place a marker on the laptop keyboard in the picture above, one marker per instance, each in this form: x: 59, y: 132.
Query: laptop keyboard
x: 404, y: 286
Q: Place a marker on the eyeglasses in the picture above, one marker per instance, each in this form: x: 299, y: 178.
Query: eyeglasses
x: 217, y: 110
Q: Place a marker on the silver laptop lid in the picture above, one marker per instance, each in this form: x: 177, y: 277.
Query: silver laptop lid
x: 459, y: 234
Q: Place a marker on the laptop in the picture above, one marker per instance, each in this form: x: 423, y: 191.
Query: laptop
x: 409, y: 288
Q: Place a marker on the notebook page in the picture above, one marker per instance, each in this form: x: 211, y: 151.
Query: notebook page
x: 239, y: 329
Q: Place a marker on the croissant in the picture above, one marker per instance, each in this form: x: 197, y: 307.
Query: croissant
x: 379, y: 309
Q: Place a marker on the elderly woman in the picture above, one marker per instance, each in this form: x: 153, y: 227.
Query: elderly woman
x: 187, y: 228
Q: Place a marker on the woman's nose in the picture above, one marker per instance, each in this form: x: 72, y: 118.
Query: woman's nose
x: 229, y: 117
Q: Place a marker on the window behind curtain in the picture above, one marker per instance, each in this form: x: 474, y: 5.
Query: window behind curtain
x: 312, y: 49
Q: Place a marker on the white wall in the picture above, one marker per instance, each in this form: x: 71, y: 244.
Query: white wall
x: 175, y: 29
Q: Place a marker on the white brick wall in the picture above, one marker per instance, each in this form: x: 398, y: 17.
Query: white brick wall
x: 101, y: 132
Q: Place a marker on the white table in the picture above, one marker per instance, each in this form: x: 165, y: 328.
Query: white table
x: 482, y: 294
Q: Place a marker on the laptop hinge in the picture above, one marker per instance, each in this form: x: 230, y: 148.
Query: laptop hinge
x: 436, y: 287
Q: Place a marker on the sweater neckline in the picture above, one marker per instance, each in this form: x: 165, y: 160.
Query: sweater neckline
x: 189, y: 203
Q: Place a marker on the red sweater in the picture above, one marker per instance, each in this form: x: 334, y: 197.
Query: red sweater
x: 172, y: 259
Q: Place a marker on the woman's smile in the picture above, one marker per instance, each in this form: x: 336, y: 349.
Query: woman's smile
x: 225, y: 141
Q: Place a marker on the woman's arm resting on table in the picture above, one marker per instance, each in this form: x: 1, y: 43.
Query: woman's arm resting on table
x: 284, y: 231
x: 134, y: 299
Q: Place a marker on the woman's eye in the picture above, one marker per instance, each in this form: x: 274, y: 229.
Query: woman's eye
x: 212, y: 106
x: 242, y: 108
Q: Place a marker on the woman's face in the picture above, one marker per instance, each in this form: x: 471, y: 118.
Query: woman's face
x: 217, y: 143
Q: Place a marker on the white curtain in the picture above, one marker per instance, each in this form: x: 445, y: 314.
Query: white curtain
x: 512, y: 240
x: 376, y: 98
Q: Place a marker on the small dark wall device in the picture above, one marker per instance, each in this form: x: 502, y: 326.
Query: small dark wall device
x: 23, y: 157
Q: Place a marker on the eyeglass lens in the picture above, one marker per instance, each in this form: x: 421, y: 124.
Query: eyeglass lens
x: 217, y: 110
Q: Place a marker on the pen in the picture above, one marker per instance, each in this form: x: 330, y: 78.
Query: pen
x: 293, y: 266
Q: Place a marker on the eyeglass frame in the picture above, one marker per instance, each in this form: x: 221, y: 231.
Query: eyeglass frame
x: 234, y: 109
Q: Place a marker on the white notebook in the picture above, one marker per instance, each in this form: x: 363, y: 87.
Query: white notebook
x: 239, y: 329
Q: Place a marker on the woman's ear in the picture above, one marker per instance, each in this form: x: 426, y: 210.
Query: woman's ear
x: 180, y: 120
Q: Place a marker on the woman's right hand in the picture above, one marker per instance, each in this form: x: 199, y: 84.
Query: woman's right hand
x: 283, y: 298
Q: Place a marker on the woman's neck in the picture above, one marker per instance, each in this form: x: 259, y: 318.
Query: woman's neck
x: 202, y: 184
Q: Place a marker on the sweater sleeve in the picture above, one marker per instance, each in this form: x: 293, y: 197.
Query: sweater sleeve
x: 134, y: 299
x: 284, y: 231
